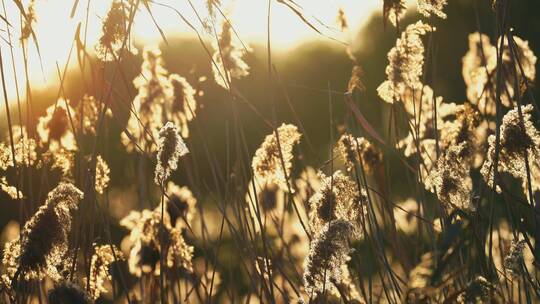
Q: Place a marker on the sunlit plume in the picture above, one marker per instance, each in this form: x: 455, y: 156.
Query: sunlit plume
x: 29, y: 20
x: 328, y: 252
x: 509, y: 252
x: 480, y: 71
x: 180, y: 205
x: 514, y: 259
x: 307, y: 184
x: 406, y: 215
x: 423, y: 128
x: 104, y: 256
x: 432, y: 7
x: 273, y: 160
x: 55, y: 129
x: 153, y: 92
x: 9, y: 189
x: 519, y: 141
x: 171, y: 147
x: 394, y: 11
x: 43, y: 244
x: 115, y: 37
x: 183, y: 105
x: 353, y: 150
x: 24, y: 146
x: 102, y: 175
x: 62, y: 160
x: 161, y: 98
x: 420, y: 275
x: 228, y: 64
x: 478, y: 290
x: 147, y: 245
x: 451, y: 178
x: 338, y: 198
x: 406, y: 61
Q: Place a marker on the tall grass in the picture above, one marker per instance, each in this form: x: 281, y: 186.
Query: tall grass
x: 180, y: 221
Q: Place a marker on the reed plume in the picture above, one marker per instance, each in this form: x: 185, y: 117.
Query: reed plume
x: 44, y: 240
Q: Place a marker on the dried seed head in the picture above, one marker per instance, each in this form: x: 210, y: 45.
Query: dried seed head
x: 25, y: 149
x: 480, y: 71
x: 179, y: 253
x: 183, y: 104
x: 356, y: 80
x: 63, y: 160
x: 29, y: 20
x: 180, y: 205
x: 350, y: 148
x: 265, y: 202
x: 9, y: 189
x: 394, y: 11
x: 144, y: 234
x: 102, y: 175
x: 228, y: 57
x: 267, y: 163
x: 337, y: 198
x: 514, y: 260
x: 150, y: 104
x: 328, y: 252
x: 516, y: 140
x: 406, y: 61
x: 161, y: 98
x: 475, y: 72
x: 406, y: 216
x: 451, y: 178
x: 115, y: 31
x: 99, y: 268
x: 308, y: 184
x: 55, y: 129
x: 432, y: 7
x: 465, y: 128
x: 148, y: 239
x: 171, y: 147
x: 420, y: 275
x: 44, y: 239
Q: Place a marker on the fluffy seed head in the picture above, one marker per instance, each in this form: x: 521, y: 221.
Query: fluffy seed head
x: 516, y: 139
x: 432, y: 7
x: 328, y: 252
x: 266, y: 163
x: 394, y: 11
x: 99, y: 268
x: 171, y: 147
x: 337, y: 198
x: 115, y: 31
x: 406, y: 61
x: 350, y: 147
x: 514, y: 260
x: 228, y: 58
x: 44, y: 239
x: 102, y: 175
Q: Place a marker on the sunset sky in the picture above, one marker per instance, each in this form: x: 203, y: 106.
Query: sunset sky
x: 55, y: 28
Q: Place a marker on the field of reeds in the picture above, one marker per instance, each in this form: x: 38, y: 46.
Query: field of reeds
x: 399, y: 163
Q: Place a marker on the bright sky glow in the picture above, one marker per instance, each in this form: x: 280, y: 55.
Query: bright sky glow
x: 55, y: 28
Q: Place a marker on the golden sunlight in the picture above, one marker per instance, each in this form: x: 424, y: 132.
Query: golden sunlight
x: 269, y: 151
x: 57, y: 23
